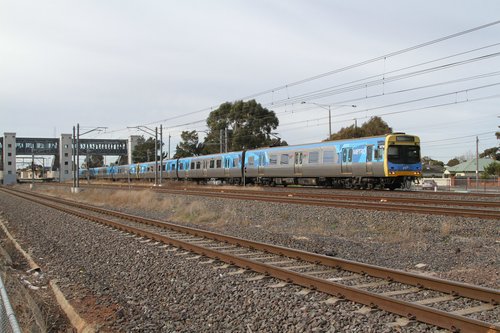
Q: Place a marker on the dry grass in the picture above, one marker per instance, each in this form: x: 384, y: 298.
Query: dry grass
x: 193, y: 212
x: 182, y: 210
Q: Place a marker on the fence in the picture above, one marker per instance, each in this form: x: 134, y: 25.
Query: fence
x: 468, y: 184
x: 8, y: 321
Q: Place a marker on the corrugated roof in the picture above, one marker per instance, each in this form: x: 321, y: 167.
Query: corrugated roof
x: 470, y: 166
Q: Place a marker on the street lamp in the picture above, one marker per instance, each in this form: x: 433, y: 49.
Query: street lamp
x: 328, y: 107
x: 154, y: 132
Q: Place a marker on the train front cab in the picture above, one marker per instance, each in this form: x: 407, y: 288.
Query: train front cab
x: 402, y: 160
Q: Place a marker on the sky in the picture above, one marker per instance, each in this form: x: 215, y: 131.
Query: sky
x: 120, y: 64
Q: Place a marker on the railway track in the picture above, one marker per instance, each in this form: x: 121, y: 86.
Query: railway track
x: 476, y: 309
x: 466, y: 208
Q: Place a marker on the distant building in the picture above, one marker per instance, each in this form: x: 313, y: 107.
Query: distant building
x: 468, y: 168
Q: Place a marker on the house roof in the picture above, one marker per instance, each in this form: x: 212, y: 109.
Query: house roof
x: 470, y: 166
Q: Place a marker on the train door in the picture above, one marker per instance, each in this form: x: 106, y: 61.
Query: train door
x: 261, y: 164
x: 369, y: 158
x: 227, y: 166
x: 204, y: 165
x: 298, y: 164
x: 346, y: 162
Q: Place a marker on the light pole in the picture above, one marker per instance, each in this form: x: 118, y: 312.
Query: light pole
x: 328, y: 107
x: 154, y: 132
x: 78, y: 150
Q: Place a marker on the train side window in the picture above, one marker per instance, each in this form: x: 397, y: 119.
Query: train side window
x: 219, y: 164
x: 284, y: 159
x: 212, y: 164
x: 350, y: 155
x: 181, y: 166
x: 344, y: 155
x: 313, y: 157
x: 236, y: 161
x: 369, y: 153
x: 192, y: 165
x: 328, y: 156
x: 250, y: 160
x: 273, y: 159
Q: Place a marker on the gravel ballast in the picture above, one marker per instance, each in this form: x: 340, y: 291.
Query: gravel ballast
x: 127, y: 284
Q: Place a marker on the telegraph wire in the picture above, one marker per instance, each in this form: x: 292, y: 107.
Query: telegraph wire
x: 460, y: 137
x: 480, y: 76
x: 422, y: 99
x: 387, y: 93
x: 384, y: 106
x: 312, y: 78
x: 366, y: 62
x: 390, y: 72
x: 401, y: 111
x: 383, y: 81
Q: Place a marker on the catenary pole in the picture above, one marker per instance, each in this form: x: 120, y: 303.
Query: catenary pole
x: 161, y: 153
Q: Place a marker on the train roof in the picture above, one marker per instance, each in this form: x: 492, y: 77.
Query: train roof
x: 305, y: 146
x: 333, y: 142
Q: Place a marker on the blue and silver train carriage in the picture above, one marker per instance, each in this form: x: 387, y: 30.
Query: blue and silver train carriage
x: 388, y: 161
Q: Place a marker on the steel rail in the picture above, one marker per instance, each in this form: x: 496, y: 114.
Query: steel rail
x: 350, y: 197
x: 446, y: 286
x: 422, y: 313
x: 384, y: 206
x: 295, y: 190
x: 382, y: 203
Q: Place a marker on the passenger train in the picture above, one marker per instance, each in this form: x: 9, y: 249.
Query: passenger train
x: 388, y: 161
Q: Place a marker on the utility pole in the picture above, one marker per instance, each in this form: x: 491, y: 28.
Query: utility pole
x: 168, y: 155
x: 156, y: 156
x: 77, y: 148
x: 88, y: 167
x: 77, y: 155
x: 329, y: 108
x: 155, y: 133
x: 33, y: 165
x: 73, y: 153
x: 477, y: 162
x: 161, y: 153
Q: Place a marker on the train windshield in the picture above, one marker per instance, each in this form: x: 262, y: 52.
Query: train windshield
x: 403, y: 154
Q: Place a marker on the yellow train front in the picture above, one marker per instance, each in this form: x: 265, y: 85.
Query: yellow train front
x: 402, y: 163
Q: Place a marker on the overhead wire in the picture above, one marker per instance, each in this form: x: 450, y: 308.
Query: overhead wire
x: 315, y: 77
x: 400, y: 111
x: 480, y: 76
x: 366, y: 62
x: 330, y: 92
x: 401, y: 69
